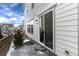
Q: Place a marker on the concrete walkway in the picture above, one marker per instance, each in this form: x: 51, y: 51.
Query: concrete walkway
x: 30, y: 48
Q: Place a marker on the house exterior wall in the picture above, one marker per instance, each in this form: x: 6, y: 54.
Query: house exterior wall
x: 66, y: 26
x: 66, y: 20
x: 31, y: 15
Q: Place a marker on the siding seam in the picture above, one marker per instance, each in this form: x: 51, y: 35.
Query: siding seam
x: 67, y: 15
x: 67, y: 45
x: 67, y: 40
x: 66, y: 20
x: 67, y: 35
x: 67, y: 30
x: 66, y: 25
x: 63, y: 7
x: 66, y: 11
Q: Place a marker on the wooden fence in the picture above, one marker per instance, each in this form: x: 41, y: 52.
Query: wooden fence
x: 5, y: 44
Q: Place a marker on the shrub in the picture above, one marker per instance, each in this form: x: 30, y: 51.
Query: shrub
x: 18, y: 36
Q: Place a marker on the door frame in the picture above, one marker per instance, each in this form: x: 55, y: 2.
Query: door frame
x: 53, y: 26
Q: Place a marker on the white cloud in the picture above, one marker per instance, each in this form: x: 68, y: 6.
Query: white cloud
x: 13, y: 19
x: 9, y: 13
x: 3, y: 20
x: 7, y: 9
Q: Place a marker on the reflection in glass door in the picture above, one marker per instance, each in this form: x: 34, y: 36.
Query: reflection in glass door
x: 42, y: 30
x: 48, y: 30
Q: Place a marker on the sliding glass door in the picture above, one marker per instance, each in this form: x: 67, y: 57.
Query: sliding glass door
x: 46, y: 29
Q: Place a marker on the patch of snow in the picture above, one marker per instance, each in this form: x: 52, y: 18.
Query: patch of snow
x: 41, y: 53
x: 10, y: 49
x: 26, y: 40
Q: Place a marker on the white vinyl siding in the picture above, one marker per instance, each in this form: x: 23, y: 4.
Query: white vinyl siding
x: 66, y: 26
x: 38, y: 7
x: 66, y: 21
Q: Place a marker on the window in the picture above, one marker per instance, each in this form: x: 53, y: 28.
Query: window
x: 30, y: 28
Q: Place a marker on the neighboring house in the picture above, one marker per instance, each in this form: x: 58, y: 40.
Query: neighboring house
x: 6, y: 28
x: 54, y: 25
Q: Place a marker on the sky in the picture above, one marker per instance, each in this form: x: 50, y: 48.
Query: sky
x: 11, y: 13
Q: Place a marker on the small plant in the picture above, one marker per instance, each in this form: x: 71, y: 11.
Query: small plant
x: 1, y: 36
x: 18, y: 36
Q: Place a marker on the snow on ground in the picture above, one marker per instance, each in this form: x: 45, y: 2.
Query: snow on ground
x: 10, y: 49
x: 26, y: 40
x: 26, y: 50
